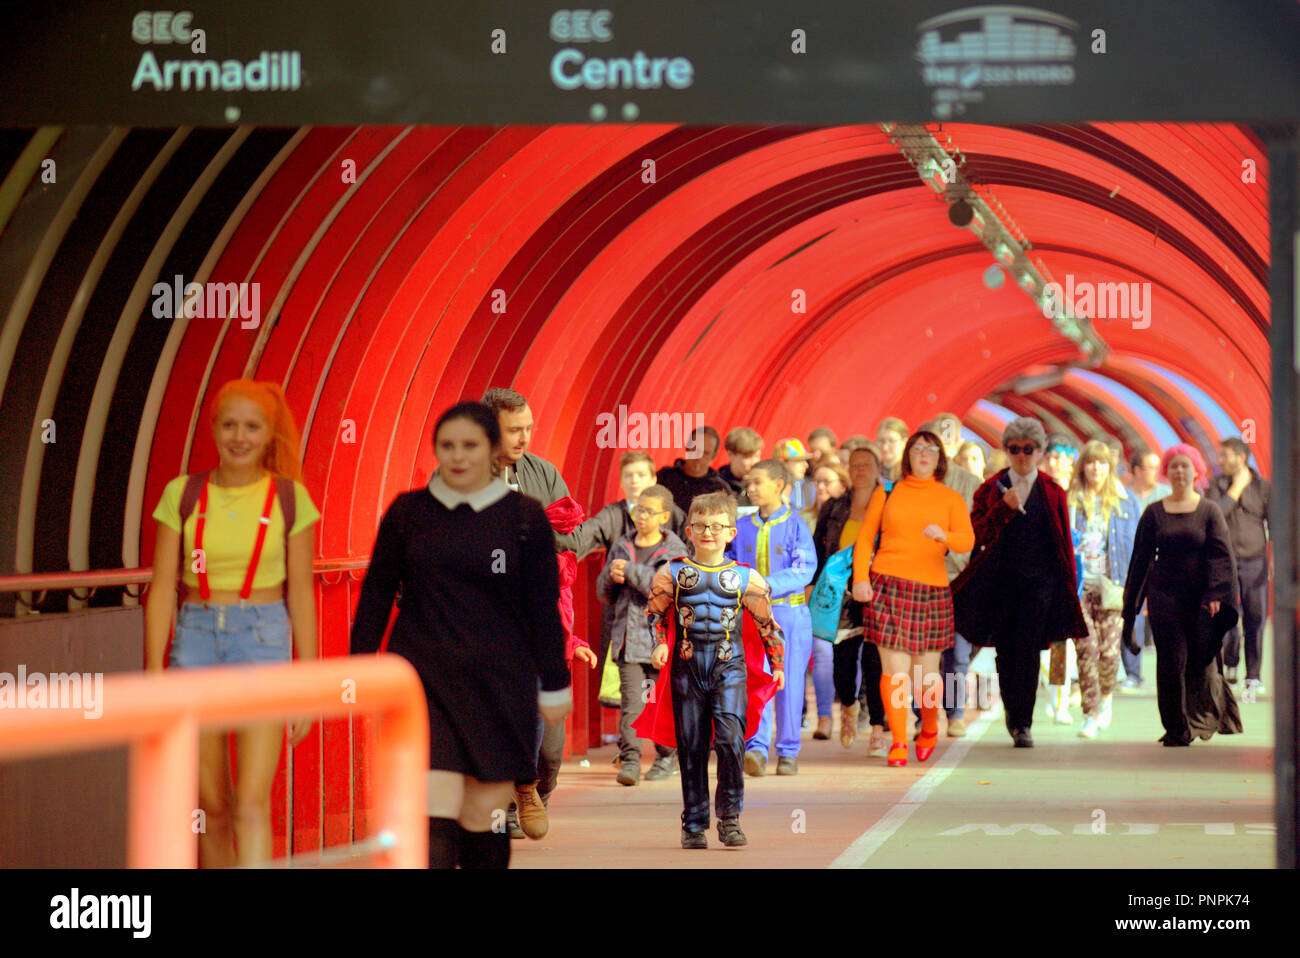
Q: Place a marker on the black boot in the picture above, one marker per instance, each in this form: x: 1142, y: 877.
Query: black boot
x: 444, y: 842
x: 484, y: 850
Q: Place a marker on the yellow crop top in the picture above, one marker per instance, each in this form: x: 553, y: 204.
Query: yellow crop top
x: 231, y: 531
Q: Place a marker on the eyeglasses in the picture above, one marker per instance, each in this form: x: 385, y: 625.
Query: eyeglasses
x: 713, y: 528
x: 1016, y: 450
x: 922, y: 447
x: 643, y: 511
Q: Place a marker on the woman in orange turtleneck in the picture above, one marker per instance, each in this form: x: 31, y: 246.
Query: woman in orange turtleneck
x: 904, y: 583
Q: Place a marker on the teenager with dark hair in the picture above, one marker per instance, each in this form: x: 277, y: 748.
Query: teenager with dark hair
x: 480, y: 621
x: 691, y: 475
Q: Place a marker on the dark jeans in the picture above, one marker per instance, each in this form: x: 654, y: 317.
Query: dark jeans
x: 1019, y: 642
x: 850, y: 654
x: 1252, y: 588
x: 550, y: 756
x: 635, y: 681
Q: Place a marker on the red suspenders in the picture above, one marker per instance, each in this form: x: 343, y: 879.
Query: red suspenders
x: 263, y: 524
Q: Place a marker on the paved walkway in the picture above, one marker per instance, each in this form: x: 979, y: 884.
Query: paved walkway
x: 1121, y: 800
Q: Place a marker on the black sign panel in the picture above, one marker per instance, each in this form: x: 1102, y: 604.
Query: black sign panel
x: 775, y: 61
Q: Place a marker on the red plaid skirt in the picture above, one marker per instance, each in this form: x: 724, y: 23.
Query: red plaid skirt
x: 909, y: 616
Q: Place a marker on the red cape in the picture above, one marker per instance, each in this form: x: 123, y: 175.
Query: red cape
x: 656, y: 721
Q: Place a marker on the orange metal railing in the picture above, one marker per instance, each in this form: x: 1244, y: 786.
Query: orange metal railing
x: 159, y: 716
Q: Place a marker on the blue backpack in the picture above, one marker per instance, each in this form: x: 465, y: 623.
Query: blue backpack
x: 831, y: 590
x: 828, y: 594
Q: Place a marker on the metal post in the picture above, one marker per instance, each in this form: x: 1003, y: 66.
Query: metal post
x: 1284, y: 217
x: 164, y: 785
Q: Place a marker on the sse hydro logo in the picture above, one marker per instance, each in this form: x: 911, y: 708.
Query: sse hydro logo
x: 572, y: 69
x: 1009, y: 46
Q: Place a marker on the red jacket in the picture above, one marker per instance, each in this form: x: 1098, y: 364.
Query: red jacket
x: 565, y: 516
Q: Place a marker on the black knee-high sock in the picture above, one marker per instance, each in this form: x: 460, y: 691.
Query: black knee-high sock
x: 484, y: 849
x: 444, y: 842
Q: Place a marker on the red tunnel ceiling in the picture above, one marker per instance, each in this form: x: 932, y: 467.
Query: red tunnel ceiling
x: 676, y: 295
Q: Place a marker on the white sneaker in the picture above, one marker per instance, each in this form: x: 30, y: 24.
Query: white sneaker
x: 1058, y: 706
x: 1103, y: 715
x: 1252, y: 688
x: 1089, y: 729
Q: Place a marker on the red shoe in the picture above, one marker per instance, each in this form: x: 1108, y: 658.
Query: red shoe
x: 925, y: 745
x: 897, y: 754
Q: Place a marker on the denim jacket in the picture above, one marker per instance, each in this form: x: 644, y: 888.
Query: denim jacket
x: 1120, y: 532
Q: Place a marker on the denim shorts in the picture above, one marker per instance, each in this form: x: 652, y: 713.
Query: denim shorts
x: 230, y: 634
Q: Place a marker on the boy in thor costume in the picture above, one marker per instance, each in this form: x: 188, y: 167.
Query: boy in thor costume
x: 712, y: 684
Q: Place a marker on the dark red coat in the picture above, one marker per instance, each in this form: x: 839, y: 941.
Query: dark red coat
x: 565, y: 515
x: 977, y: 593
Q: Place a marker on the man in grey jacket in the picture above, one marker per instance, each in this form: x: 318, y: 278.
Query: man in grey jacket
x: 534, y: 477
x: 1244, y: 499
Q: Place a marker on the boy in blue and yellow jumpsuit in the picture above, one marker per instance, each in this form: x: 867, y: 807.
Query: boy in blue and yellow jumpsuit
x: 777, y: 543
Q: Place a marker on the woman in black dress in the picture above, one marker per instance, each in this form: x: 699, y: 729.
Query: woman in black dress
x: 478, y: 618
x: 1184, y: 568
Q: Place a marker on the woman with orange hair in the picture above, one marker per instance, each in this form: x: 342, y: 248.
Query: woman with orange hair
x: 240, y: 538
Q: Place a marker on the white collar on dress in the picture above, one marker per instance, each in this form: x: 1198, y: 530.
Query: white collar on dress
x: 478, y: 501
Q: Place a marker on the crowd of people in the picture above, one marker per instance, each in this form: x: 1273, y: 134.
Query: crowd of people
x: 910, y: 549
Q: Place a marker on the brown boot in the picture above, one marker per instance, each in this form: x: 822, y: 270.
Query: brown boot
x: 532, y: 813
x: 823, y: 730
x: 848, y: 724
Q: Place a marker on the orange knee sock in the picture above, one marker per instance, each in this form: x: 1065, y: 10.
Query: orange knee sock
x: 893, y: 689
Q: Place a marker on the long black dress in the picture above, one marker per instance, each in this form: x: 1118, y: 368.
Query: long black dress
x: 478, y: 618
x: 1181, y: 563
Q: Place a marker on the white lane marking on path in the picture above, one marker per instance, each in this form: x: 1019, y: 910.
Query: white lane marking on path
x: 869, y: 842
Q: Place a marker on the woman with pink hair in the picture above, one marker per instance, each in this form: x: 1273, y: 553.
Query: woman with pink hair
x: 1183, y: 568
